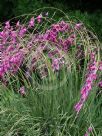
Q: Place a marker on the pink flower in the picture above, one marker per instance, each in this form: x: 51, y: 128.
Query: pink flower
x: 51, y: 54
x: 22, y: 32
x: 78, y: 106
x: 86, y: 134
x: 78, y: 26
x: 39, y: 18
x: 92, y: 55
x: 100, y: 84
x: 84, y: 96
x: 1, y: 71
x: 7, y: 25
x: 2, y: 34
x: 64, y: 26
x: 90, y: 129
x: 100, y: 65
x: 56, y: 27
x: 67, y: 43
x: 18, y: 24
x: 31, y: 22
x: 13, y: 34
x: 55, y: 64
x: 22, y: 91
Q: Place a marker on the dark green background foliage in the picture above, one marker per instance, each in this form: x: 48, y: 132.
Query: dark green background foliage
x: 86, y: 10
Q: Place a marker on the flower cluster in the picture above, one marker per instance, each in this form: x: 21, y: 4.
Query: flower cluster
x: 87, y: 87
x: 11, y: 60
x: 17, y: 43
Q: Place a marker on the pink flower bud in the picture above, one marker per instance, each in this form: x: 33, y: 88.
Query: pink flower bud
x: 39, y: 18
x: 78, y: 26
x: 31, y: 22
x: 22, y: 90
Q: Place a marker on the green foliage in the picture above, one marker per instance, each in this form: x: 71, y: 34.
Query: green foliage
x: 26, y: 6
x: 91, y: 20
x: 6, y: 8
x: 44, y: 112
x: 48, y: 113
